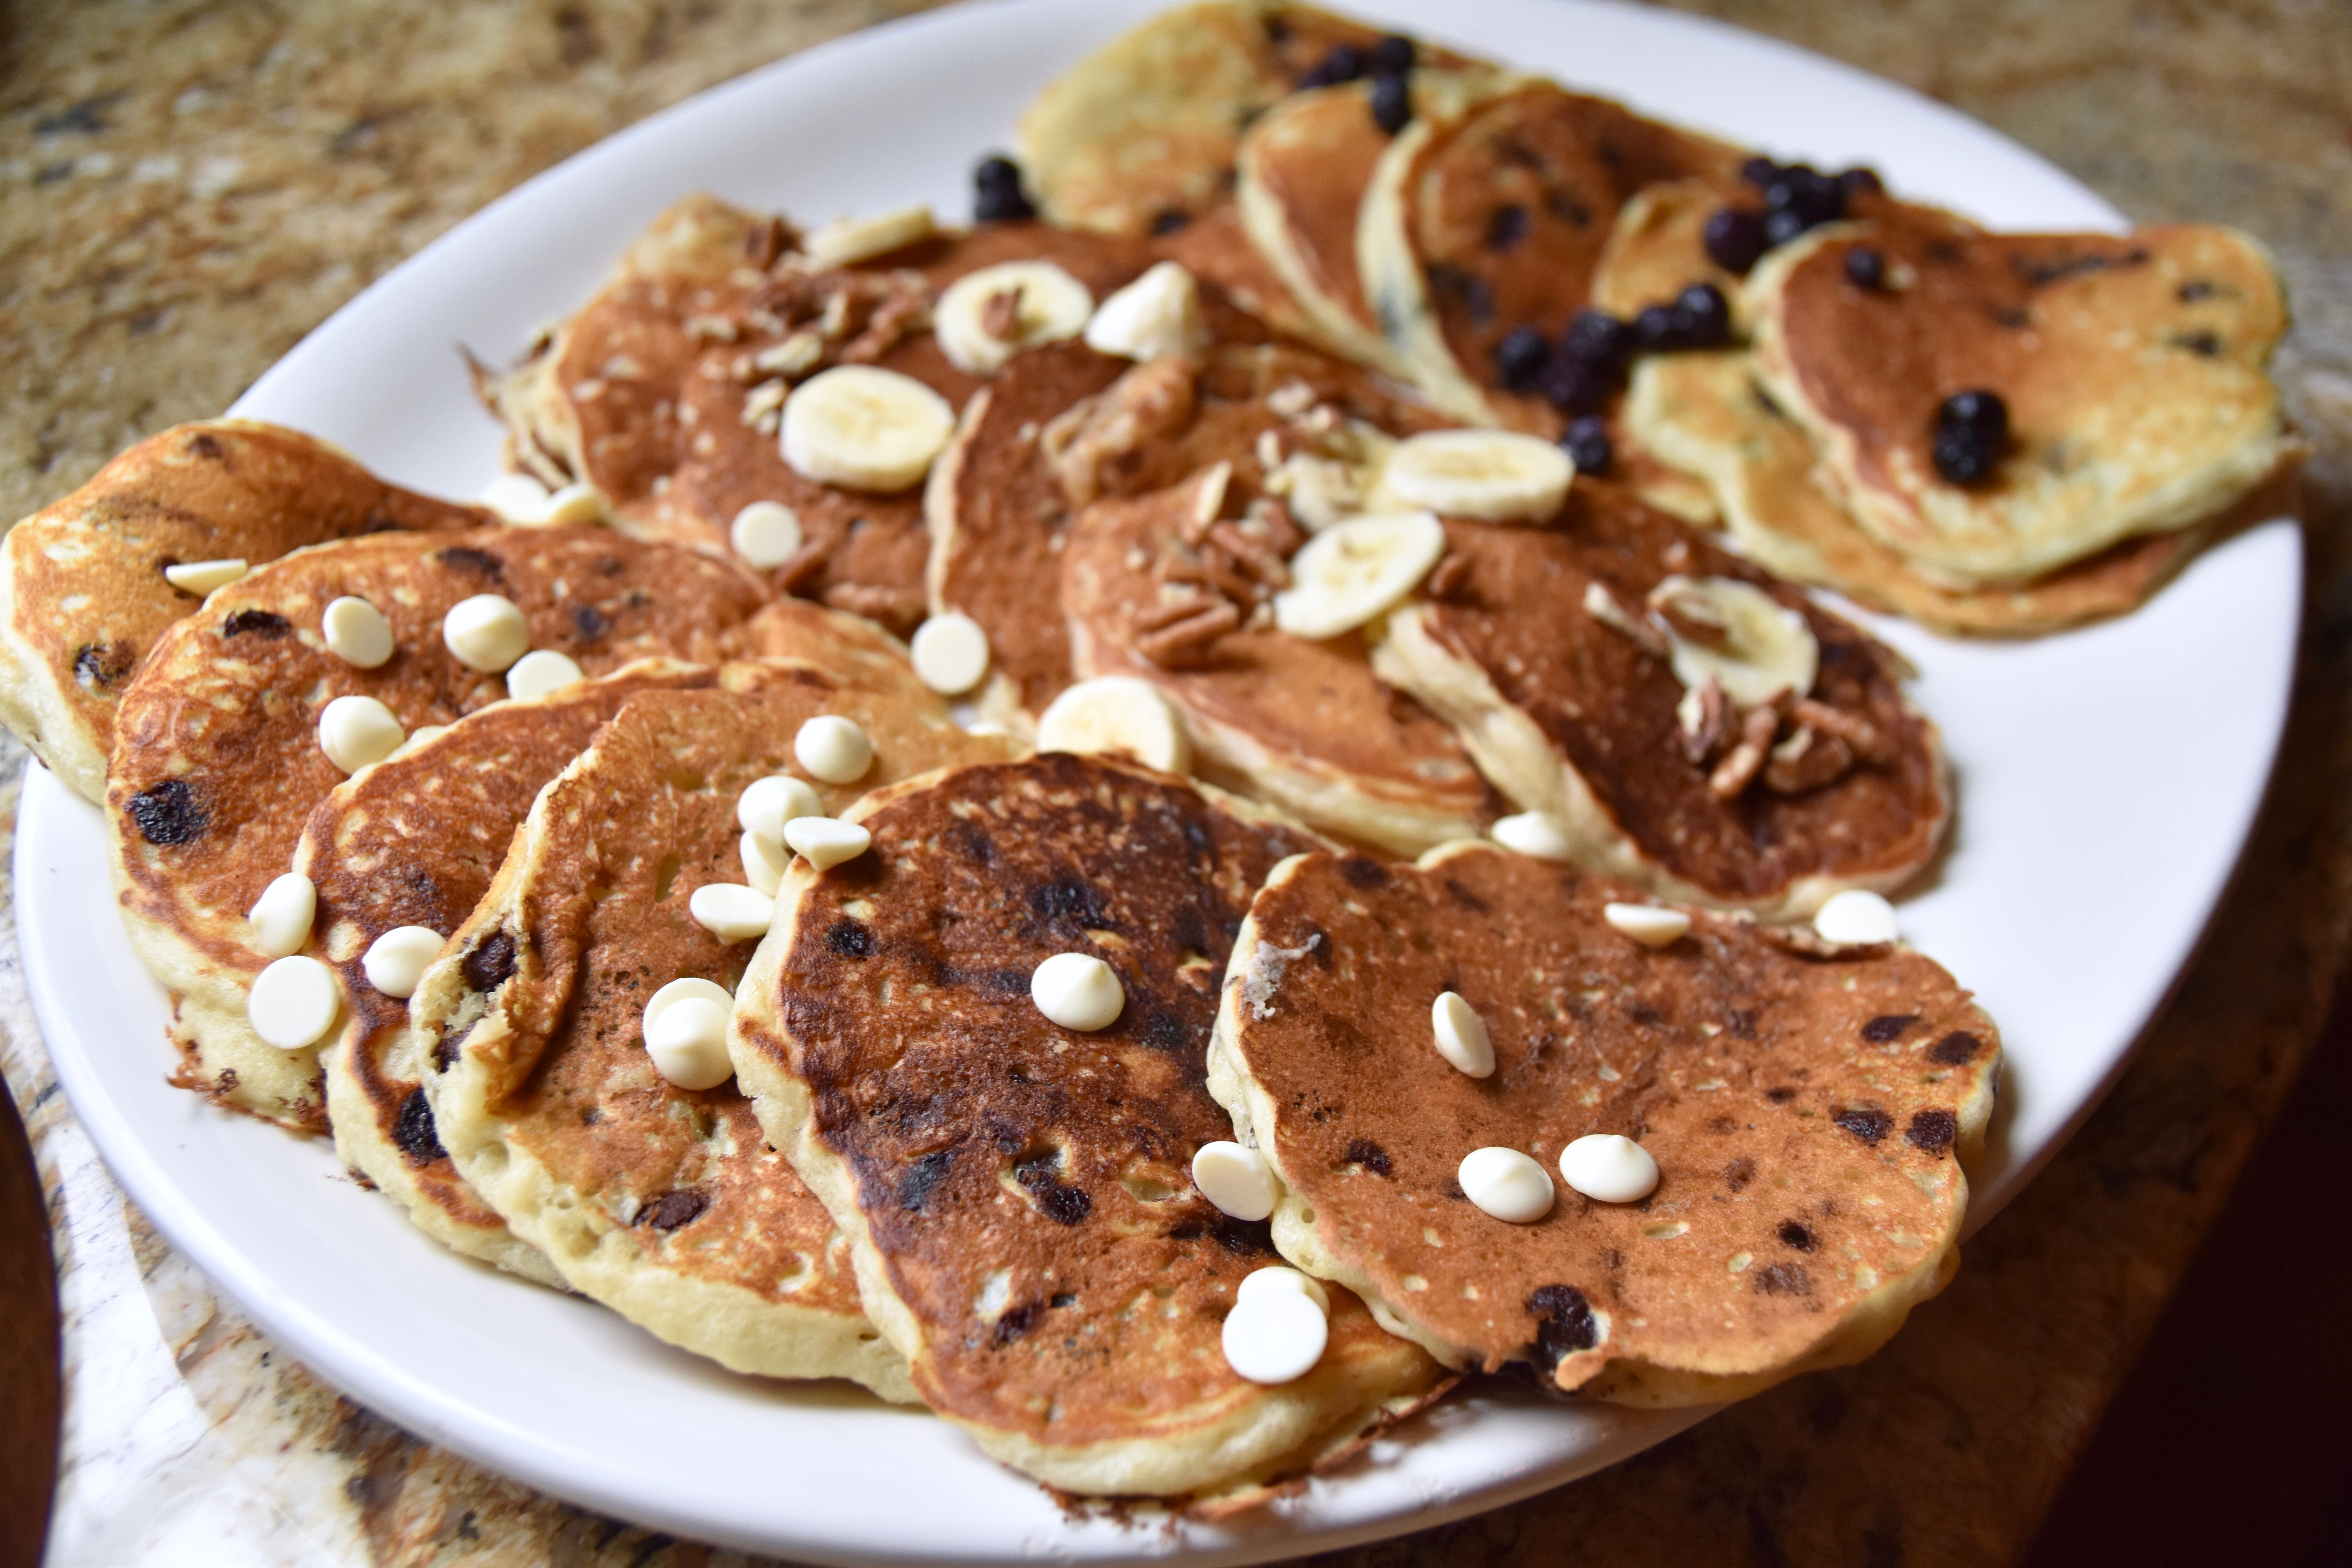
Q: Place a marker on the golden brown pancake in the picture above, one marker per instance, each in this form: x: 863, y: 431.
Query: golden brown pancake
x: 82, y: 592
x: 1025, y: 1228
x: 1810, y: 1117
x: 656, y: 393
x: 665, y: 1203
x: 216, y: 757
x: 1572, y: 716
x: 1307, y: 725
x: 2132, y: 368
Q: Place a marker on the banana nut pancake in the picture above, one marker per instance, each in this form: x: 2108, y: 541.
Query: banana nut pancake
x: 1706, y: 413
x: 82, y: 590
x: 1305, y: 724
x: 414, y: 841
x: 1555, y: 651
x: 1025, y: 1228
x: 2130, y: 367
x: 665, y: 390
x: 217, y: 762
x: 1811, y: 1116
x: 1063, y: 425
x: 665, y: 1203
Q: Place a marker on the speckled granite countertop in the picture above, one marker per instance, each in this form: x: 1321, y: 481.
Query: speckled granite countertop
x: 186, y: 188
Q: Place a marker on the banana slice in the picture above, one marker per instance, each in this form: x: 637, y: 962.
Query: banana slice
x: 850, y: 239
x: 979, y: 330
x: 1355, y: 569
x: 865, y: 429
x: 1159, y: 314
x: 1496, y: 476
x: 1116, y: 714
x: 1749, y: 641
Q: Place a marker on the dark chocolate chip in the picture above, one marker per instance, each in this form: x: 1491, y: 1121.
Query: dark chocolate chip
x: 1063, y: 1299
x: 1955, y: 1049
x: 1244, y: 1237
x: 2196, y: 289
x: 1794, y: 1235
x: 87, y: 118
x: 1933, y: 1131
x: 996, y: 193
x: 1784, y: 1279
x: 672, y: 1210
x: 1739, y: 1172
x: 916, y: 1185
x: 1587, y: 443
x: 1861, y: 179
x: 1065, y: 1206
x: 1888, y: 1027
x: 466, y: 558
x: 492, y: 961
x: 203, y: 446
x: 1866, y: 266
x: 1734, y: 238
x: 1506, y: 227
x: 1781, y: 1096
x: 168, y: 813
x: 1067, y: 898
x: 590, y: 622
x: 413, y: 1129
x: 1564, y: 1323
x: 846, y: 937
x: 1168, y: 220
x: 1520, y: 357
x: 1016, y: 1321
x: 1866, y: 1122
x: 256, y: 624
x: 1392, y: 102
x: 2207, y: 345
x: 1369, y: 1155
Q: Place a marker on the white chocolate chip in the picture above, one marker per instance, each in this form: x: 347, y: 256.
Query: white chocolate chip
x: 1237, y: 1180
x: 356, y: 631
x: 397, y: 960
x: 1077, y: 991
x: 281, y: 916
x: 536, y: 673
x: 732, y: 911
x: 517, y: 498
x: 574, y: 503
x: 1259, y: 1281
x: 678, y: 990
x: 356, y: 731
x: 1462, y: 1038
x: 1855, y: 917
x: 293, y: 1003
x: 417, y: 738
x: 689, y: 1043
x: 1608, y: 1168
x: 1647, y: 923
x: 486, y: 632
x: 766, y: 804
x: 1535, y: 832
x: 1506, y: 1183
x: 201, y: 577
x: 764, y: 861
x: 825, y: 843
x: 1275, y: 1336
x: 766, y: 533
x: 833, y: 749
x: 951, y: 653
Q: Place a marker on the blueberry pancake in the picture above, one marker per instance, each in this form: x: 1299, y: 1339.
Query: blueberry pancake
x: 1810, y: 1119
x: 1999, y: 406
x: 218, y: 754
x: 83, y: 585
x: 1690, y: 722
x: 665, y: 1203
x: 1305, y: 724
x: 1017, y: 1192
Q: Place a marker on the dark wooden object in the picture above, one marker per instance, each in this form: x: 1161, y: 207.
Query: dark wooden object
x: 30, y: 1377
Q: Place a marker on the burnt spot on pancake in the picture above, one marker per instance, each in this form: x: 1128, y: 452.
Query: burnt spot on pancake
x: 1933, y: 1132
x: 1888, y: 1027
x: 1741, y: 1024
x: 1016, y: 1321
x: 1369, y: 1155
x: 101, y: 664
x: 1784, y: 1279
x: 1242, y: 1238
x: 1867, y: 1122
x: 969, y: 842
x: 846, y: 937
x: 1781, y: 1095
x: 917, y: 1183
x: 256, y: 624
x: 202, y: 445
x: 1564, y: 1323
x: 2206, y: 345
x: 1792, y: 1234
x: 1955, y: 1049
x: 490, y: 963
x: 168, y: 813
x: 475, y: 562
x: 1361, y: 871
x: 414, y: 1130
x: 674, y: 1209
x: 1739, y: 1172
x: 590, y: 622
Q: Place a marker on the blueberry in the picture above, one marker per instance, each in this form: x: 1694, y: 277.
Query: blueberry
x: 1780, y: 228
x: 1759, y: 171
x: 1520, y: 358
x: 1391, y: 102
x: 1587, y: 442
x: 996, y: 193
x: 1734, y: 239
x: 1658, y: 329
x: 1575, y: 385
x: 1596, y: 338
x: 1866, y: 268
x: 1702, y: 319
x: 1861, y: 179
x: 1393, y: 56
x: 1806, y: 191
x: 1971, y: 429
x: 1344, y: 63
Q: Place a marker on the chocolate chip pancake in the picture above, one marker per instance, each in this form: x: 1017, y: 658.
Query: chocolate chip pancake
x: 665, y: 1203
x: 1810, y: 1117
x: 665, y: 390
x: 1706, y: 413
x: 1550, y: 655
x: 1025, y: 1228
x: 1307, y: 725
x: 217, y: 761
x: 82, y: 590
x: 2130, y: 369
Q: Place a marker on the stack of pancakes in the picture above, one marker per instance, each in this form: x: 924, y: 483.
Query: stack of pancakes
x: 1238, y: 464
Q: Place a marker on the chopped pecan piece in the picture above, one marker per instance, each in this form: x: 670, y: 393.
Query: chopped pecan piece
x: 1152, y: 618
x: 1694, y: 617
x: 1283, y: 534
x: 1807, y: 760
x: 1256, y: 559
x: 1603, y: 605
x: 1705, y: 717
x: 896, y: 610
x: 999, y: 314
x: 1187, y: 643
x: 1446, y: 578
x: 1860, y: 736
x: 1110, y: 430
x: 1738, y: 771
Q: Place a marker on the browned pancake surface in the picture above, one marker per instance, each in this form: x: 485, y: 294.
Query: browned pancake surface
x: 1805, y: 1114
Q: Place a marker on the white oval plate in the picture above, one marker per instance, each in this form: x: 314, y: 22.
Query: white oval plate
x: 2107, y: 780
